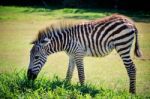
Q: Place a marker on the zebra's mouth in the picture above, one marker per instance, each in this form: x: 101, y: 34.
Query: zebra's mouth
x: 31, y: 75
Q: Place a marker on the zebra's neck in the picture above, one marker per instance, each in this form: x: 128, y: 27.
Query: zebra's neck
x: 60, y: 40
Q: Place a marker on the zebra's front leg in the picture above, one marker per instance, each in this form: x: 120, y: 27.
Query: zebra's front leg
x: 70, y: 70
x: 80, y: 68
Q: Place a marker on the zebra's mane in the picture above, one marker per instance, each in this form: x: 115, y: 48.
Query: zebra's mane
x: 68, y: 24
x: 54, y: 27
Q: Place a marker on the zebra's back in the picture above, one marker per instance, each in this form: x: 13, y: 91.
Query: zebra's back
x: 100, y: 37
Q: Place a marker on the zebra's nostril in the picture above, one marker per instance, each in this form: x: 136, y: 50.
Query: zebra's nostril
x: 31, y: 75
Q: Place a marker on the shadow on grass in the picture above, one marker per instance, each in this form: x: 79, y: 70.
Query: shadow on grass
x: 84, y: 89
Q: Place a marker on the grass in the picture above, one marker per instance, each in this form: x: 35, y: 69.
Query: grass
x: 105, y: 77
x: 17, y: 86
x: 27, y: 13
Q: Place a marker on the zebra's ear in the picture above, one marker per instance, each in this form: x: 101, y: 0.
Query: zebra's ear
x: 45, y: 41
x: 33, y: 42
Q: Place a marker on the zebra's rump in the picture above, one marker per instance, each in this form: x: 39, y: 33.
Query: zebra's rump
x: 107, y: 34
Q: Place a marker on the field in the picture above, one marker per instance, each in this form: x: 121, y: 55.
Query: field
x: 105, y: 77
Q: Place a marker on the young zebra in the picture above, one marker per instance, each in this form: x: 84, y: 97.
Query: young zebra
x: 95, y: 38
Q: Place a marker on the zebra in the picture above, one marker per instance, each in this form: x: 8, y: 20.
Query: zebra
x: 96, y: 38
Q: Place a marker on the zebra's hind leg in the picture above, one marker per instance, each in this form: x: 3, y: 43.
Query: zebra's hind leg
x: 124, y: 52
x: 132, y: 76
x: 131, y: 70
x: 70, y: 70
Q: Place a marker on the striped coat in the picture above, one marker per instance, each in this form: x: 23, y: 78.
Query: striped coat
x: 95, y: 38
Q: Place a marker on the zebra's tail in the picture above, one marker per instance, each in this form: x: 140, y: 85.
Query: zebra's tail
x: 137, y: 51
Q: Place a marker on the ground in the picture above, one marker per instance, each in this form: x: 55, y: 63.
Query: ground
x: 19, y: 26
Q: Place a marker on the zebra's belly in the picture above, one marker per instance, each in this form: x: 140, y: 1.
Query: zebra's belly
x: 97, y: 53
x: 88, y: 52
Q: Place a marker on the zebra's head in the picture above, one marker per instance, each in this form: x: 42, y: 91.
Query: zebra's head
x: 38, y: 57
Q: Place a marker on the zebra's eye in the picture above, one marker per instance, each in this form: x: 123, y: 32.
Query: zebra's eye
x: 36, y: 57
x: 43, y: 41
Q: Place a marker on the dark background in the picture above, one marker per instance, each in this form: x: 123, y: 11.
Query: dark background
x: 135, y: 5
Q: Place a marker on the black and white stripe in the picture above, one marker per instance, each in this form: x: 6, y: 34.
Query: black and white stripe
x: 96, y: 38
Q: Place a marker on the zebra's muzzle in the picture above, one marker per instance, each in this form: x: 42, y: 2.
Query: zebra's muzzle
x: 31, y: 75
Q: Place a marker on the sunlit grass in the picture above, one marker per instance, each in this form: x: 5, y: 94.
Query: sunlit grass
x: 18, y: 86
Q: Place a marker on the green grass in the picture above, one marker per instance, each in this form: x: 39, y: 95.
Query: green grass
x: 26, y: 13
x: 17, y: 86
x: 105, y: 77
